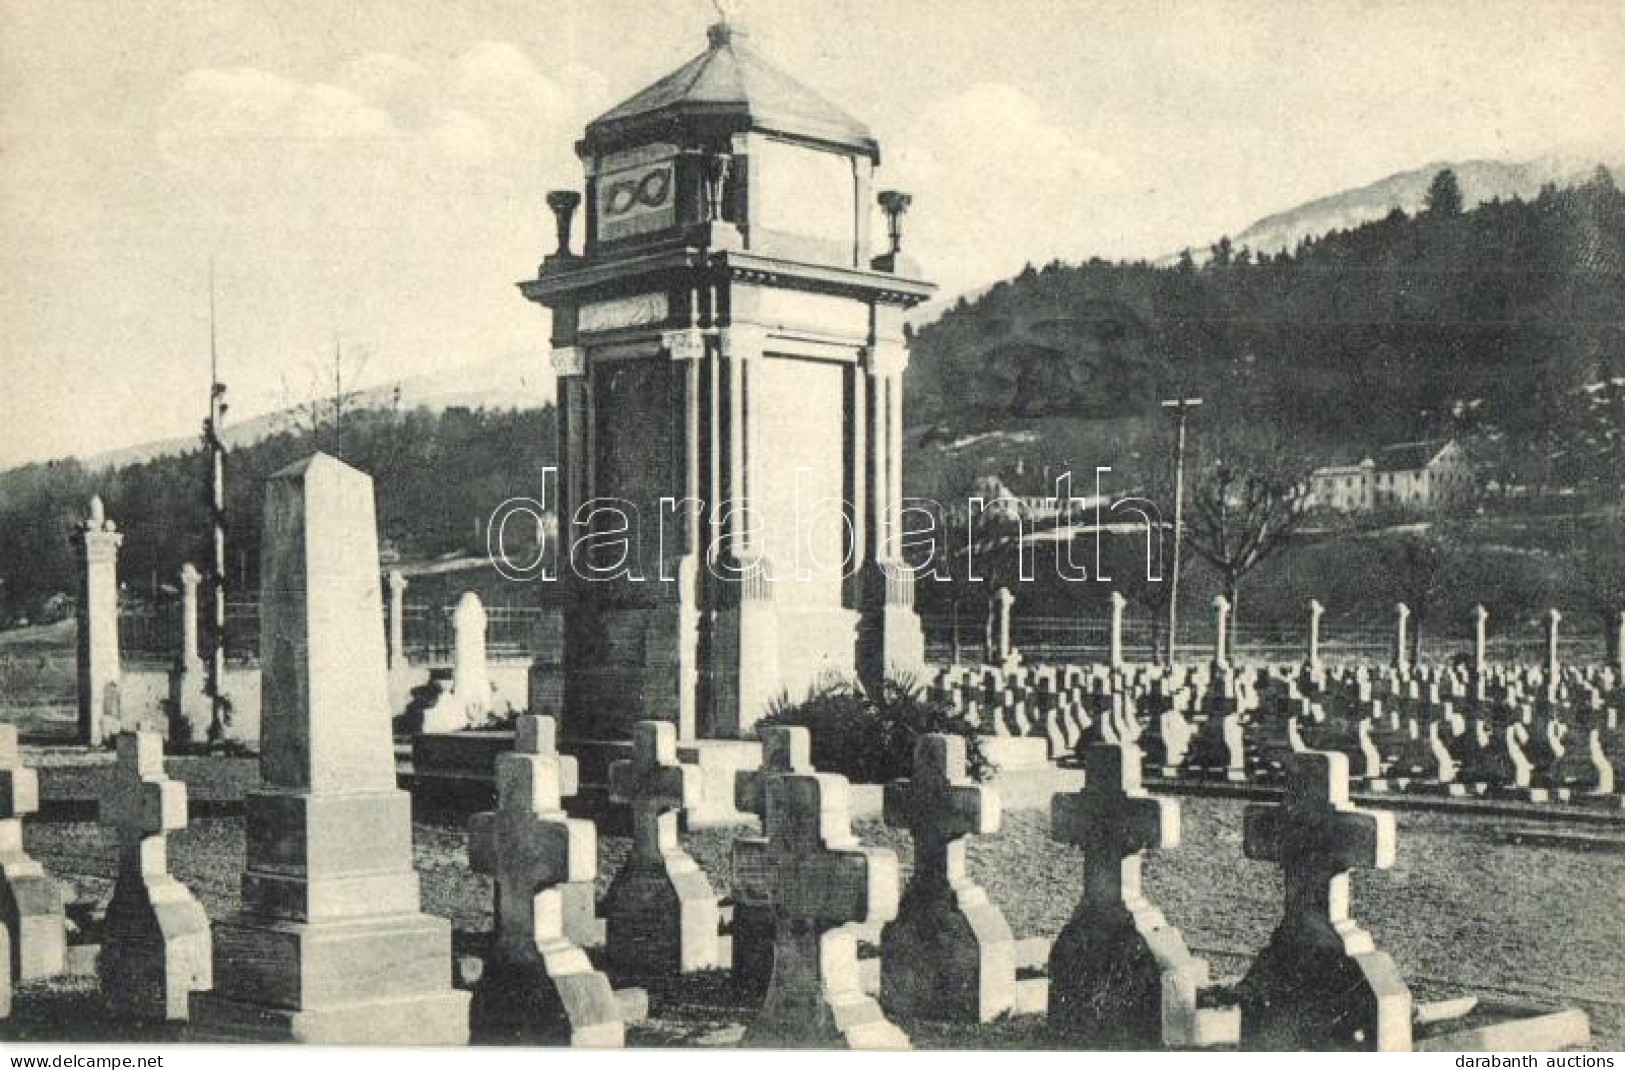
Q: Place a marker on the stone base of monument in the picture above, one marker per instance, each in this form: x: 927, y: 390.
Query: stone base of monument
x: 372, y: 980
x: 1500, y: 1026
x: 719, y: 760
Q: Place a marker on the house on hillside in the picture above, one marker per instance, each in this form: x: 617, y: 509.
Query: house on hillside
x: 1409, y: 476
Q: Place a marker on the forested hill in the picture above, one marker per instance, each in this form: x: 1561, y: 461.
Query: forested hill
x: 437, y: 475
x: 1497, y: 322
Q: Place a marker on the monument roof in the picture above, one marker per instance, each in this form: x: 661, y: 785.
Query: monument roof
x: 730, y: 81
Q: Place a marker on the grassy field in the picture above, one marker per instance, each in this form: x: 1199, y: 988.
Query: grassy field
x: 1474, y: 904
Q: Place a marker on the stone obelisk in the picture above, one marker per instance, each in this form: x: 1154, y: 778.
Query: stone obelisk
x: 330, y: 945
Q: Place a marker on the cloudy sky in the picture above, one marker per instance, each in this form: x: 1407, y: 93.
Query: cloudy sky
x: 372, y: 171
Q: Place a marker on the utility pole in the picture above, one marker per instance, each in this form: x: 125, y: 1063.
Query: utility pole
x: 215, y: 574
x: 1180, y: 408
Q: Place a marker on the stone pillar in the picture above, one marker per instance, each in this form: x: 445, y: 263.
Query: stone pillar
x: 746, y: 631
x: 1619, y: 643
x: 397, y: 620
x: 96, y: 541
x: 1402, y: 642
x: 189, y: 581
x: 1000, y: 650
x: 1316, y: 611
x: 1221, y: 632
x: 890, y: 640
x: 156, y: 949
x: 1481, y: 619
x: 330, y: 945
x: 1554, y: 666
x: 192, y: 711
x: 1115, y: 640
x: 30, y: 902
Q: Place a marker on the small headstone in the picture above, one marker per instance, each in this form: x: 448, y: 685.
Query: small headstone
x: 661, y: 912
x: 1120, y: 975
x: 30, y: 902
x: 155, y: 950
x: 950, y: 953
x: 820, y: 880
x: 538, y: 986
x: 1320, y: 984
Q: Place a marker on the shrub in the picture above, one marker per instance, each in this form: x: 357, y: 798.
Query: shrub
x: 869, y: 737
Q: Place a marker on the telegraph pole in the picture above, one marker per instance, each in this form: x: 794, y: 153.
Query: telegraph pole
x: 215, y: 574
x: 1179, y: 408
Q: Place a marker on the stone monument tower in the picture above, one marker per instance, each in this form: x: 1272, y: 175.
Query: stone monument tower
x: 730, y: 357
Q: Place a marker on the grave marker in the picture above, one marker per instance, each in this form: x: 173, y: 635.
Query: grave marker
x: 30, y: 902
x: 1320, y: 983
x: 1120, y: 975
x: 330, y: 945
x: 662, y: 914
x: 155, y: 951
x: 819, y: 880
x: 950, y: 953
x: 538, y: 986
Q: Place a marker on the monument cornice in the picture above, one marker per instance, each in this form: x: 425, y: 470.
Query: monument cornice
x: 825, y: 278
x: 611, y: 277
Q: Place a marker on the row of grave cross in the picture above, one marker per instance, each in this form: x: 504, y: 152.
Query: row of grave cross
x: 1118, y: 974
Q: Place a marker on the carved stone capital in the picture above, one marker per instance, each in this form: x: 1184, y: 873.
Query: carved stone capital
x: 569, y: 360
x: 683, y: 345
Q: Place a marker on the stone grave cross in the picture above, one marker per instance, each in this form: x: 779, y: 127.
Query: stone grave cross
x: 662, y: 914
x: 950, y: 954
x: 30, y: 902
x: 528, y: 844
x: 538, y: 986
x: 1114, y: 821
x: 1120, y: 975
x: 818, y: 879
x: 157, y: 945
x: 1321, y: 982
x: 784, y: 750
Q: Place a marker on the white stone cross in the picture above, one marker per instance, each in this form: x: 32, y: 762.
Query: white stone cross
x: 818, y: 878
x: 527, y: 844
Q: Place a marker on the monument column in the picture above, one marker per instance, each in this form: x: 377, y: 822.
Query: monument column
x: 96, y: 541
x: 890, y: 641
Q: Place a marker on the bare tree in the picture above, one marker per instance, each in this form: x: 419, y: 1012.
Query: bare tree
x: 330, y: 399
x: 1245, y: 506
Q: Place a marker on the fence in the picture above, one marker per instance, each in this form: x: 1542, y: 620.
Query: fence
x: 151, y: 636
x: 1064, y: 639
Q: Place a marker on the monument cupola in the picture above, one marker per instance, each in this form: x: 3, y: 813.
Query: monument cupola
x: 729, y: 349
x: 729, y: 151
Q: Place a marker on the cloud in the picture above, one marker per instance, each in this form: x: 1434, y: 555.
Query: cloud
x: 997, y: 182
